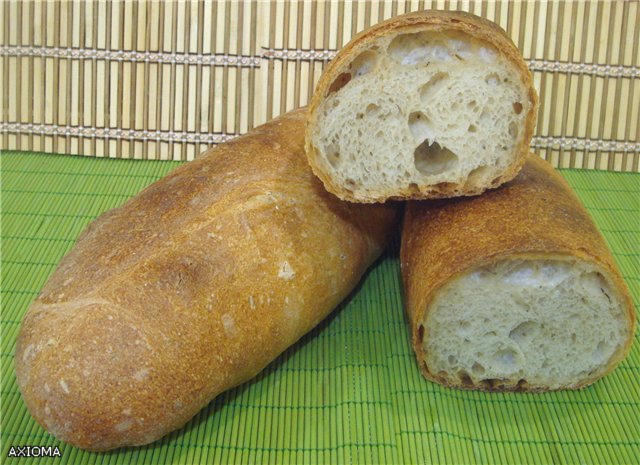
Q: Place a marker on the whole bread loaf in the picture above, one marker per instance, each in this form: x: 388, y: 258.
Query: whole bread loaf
x: 424, y: 105
x: 190, y: 288
x: 515, y: 289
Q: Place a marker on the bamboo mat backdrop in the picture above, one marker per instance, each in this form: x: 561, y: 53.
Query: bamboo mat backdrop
x: 166, y: 80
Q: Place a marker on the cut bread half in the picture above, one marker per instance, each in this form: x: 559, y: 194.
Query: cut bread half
x: 425, y: 105
x: 514, y: 289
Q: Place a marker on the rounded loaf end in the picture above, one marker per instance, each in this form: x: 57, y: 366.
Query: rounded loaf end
x: 91, y: 375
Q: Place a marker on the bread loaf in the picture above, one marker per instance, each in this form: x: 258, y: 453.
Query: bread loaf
x: 514, y: 289
x: 425, y: 105
x: 190, y: 288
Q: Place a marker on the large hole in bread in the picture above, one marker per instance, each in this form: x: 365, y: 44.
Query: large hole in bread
x: 432, y: 158
x: 524, y: 332
x: 341, y: 81
x: 432, y: 86
x: 419, y: 48
x: 333, y: 155
x: 478, y: 176
x: 364, y: 63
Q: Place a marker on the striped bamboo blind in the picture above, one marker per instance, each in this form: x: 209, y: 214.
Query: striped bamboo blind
x: 165, y: 80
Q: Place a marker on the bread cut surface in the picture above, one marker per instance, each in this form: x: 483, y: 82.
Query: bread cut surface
x: 514, y: 289
x: 190, y: 288
x: 425, y: 105
x: 543, y: 322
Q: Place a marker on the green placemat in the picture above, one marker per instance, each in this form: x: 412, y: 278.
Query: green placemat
x: 348, y: 392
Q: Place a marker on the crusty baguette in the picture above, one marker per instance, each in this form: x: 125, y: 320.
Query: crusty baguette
x: 514, y: 289
x: 429, y: 104
x: 190, y: 288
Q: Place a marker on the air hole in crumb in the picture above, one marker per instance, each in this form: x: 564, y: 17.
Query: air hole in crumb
x: 420, y: 126
x: 420, y: 333
x: 433, y: 85
x: 350, y: 182
x: 517, y: 107
x: 477, y: 368
x: 493, y: 383
x: 372, y: 108
x: 472, y: 128
x: 465, y: 379
x: 492, y: 79
x: 341, y: 81
x: 432, y: 158
x: 513, y: 130
x: 506, y: 359
x: 413, y: 187
x: 334, y: 158
x: 472, y: 104
x: 364, y: 63
x: 478, y: 175
x: 441, y: 376
x: 417, y: 49
x: 525, y: 331
x: 443, y: 186
x: 333, y: 155
x: 452, y: 360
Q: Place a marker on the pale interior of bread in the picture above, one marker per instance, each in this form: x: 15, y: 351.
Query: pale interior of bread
x: 418, y: 109
x: 551, y: 323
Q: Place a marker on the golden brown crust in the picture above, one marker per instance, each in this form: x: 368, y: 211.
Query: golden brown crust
x: 428, y: 20
x: 190, y: 288
x: 536, y: 215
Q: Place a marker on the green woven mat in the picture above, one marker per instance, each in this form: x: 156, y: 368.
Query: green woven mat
x: 348, y: 392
